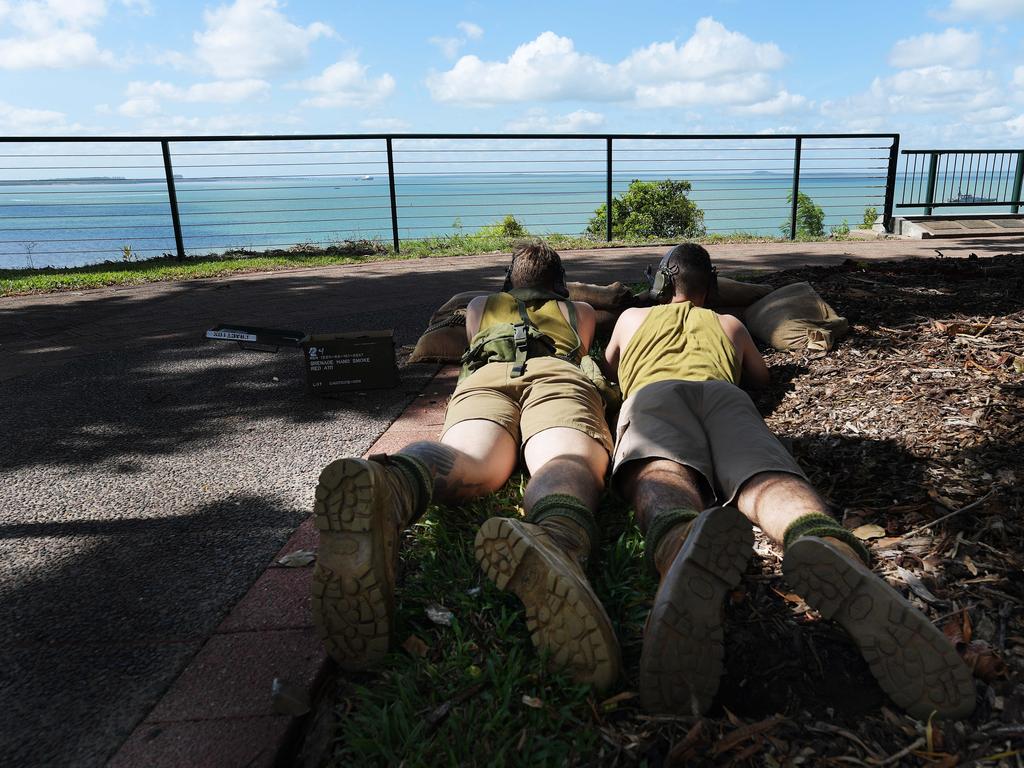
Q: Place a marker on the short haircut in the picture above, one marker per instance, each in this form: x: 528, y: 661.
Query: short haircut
x: 692, y: 272
x: 535, y: 264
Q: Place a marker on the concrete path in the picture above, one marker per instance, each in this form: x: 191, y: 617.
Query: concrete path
x: 148, y: 478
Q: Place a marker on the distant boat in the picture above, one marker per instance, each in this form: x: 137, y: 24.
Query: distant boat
x: 964, y: 197
x: 366, y: 178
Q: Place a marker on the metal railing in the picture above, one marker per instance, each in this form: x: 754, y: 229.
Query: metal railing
x: 72, y: 199
x: 961, y: 178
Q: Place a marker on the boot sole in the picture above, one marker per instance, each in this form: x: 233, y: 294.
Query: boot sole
x: 913, y: 662
x: 352, y: 599
x: 681, y: 662
x: 563, y: 614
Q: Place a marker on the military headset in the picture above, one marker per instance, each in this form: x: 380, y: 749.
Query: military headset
x: 662, y: 281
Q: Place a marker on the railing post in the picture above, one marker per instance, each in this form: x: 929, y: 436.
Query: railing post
x: 796, y: 188
x: 929, y: 193
x: 890, y: 184
x: 608, y: 188
x: 172, y: 197
x: 391, y: 185
x: 1018, y: 177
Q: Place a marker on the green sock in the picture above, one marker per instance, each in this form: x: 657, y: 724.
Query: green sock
x: 824, y: 526
x: 663, y: 522
x: 564, y: 505
x: 418, y: 474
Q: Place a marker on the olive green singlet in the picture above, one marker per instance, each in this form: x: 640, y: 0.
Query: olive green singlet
x: 545, y: 315
x: 678, y: 342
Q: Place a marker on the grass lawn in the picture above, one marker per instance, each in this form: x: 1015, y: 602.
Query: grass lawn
x: 477, y: 692
x: 161, y: 269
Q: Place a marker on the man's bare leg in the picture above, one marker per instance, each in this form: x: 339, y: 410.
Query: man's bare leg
x: 361, y: 507
x: 913, y: 661
x: 699, y: 558
x: 542, y: 561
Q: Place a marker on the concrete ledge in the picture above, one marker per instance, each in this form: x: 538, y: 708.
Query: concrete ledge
x: 218, y: 712
x: 978, y: 225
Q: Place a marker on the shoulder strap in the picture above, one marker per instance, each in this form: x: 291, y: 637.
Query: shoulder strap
x: 521, y: 339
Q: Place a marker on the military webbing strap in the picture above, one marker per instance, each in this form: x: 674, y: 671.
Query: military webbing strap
x: 520, y: 338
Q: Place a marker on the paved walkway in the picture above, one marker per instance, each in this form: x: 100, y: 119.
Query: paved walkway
x: 148, y: 479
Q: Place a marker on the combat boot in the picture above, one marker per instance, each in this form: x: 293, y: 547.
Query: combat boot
x: 360, y: 510
x: 699, y: 559
x: 543, y: 564
x: 912, y: 660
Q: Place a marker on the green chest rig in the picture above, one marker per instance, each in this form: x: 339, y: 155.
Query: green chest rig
x: 518, y: 342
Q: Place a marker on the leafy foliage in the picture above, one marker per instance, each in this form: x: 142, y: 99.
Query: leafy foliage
x: 870, y: 214
x: 509, y: 227
x: 810, y: 218
x: 651, y: 209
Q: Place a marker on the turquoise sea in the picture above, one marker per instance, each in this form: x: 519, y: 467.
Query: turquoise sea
x: 70, y: 223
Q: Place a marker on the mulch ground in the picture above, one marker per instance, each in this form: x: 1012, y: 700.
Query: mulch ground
x: 912, y: 427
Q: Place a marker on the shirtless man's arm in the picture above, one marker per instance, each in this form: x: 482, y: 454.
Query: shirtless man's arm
x: 752, y: 365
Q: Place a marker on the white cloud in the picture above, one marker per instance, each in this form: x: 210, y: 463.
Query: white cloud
x: 713, y: 66
x: 252, y: 38
x: 449, y: 45
x: 922, y: 91
x: 538, y: 121
x: 345, y: 84
x: 470, y: 30
x: 781, y: 103
x: 952, y: 47
x: 18, y: 120
x: 986, y: 9
x: 221, y: 91
x: 385, y: 125
x: 712, y: 51
x: 52, y: 34
x: 546, y: 69
x: 144, y: 99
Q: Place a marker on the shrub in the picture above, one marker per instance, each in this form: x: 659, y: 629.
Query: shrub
x: 870, y: 214
x: 509, y: 227
x: 651, y: 209
x: 810, y: 218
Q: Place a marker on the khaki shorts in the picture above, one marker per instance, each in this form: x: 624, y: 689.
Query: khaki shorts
x: 550, y: 393
x: 712, y: 427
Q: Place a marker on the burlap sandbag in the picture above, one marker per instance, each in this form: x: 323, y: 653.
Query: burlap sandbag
x: 444, y: 341
x: 795, y: 317
x: 734, y: 293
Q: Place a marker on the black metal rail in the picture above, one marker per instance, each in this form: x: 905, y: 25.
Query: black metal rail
x: 961, y: 178
x: 75, y: 199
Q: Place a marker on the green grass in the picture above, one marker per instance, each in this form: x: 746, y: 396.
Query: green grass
x: 462, y: 703
x: 168, y: 268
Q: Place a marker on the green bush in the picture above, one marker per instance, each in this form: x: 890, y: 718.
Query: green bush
x: 810, y: 218
x: 651, y: 209
x: 508, y: 227
x: 840, y: 230
x: 870, y: 214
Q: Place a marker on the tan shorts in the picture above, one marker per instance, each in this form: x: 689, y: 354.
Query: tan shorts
x: 712, y: 427
x: 550, y: 393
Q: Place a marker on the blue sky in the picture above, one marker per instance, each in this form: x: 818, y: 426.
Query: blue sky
x: 945, y: 73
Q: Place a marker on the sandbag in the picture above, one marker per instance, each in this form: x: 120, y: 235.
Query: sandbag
x: 613, y: 298
x: 734, y: 293
x: 795, y: 317
x: 442, y: 343
x: 445, y: 340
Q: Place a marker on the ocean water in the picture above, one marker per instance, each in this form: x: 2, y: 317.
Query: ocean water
x: 71, y: 223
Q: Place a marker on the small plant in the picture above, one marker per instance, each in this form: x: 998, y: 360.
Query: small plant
x: 840, y: 230
x: 870, y: 214
x: 127, y: 255
x: 457, y: 224
x: 510, y: 227
x: 810, y: 218
x: 651, y: 209
x: 29, y: 247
